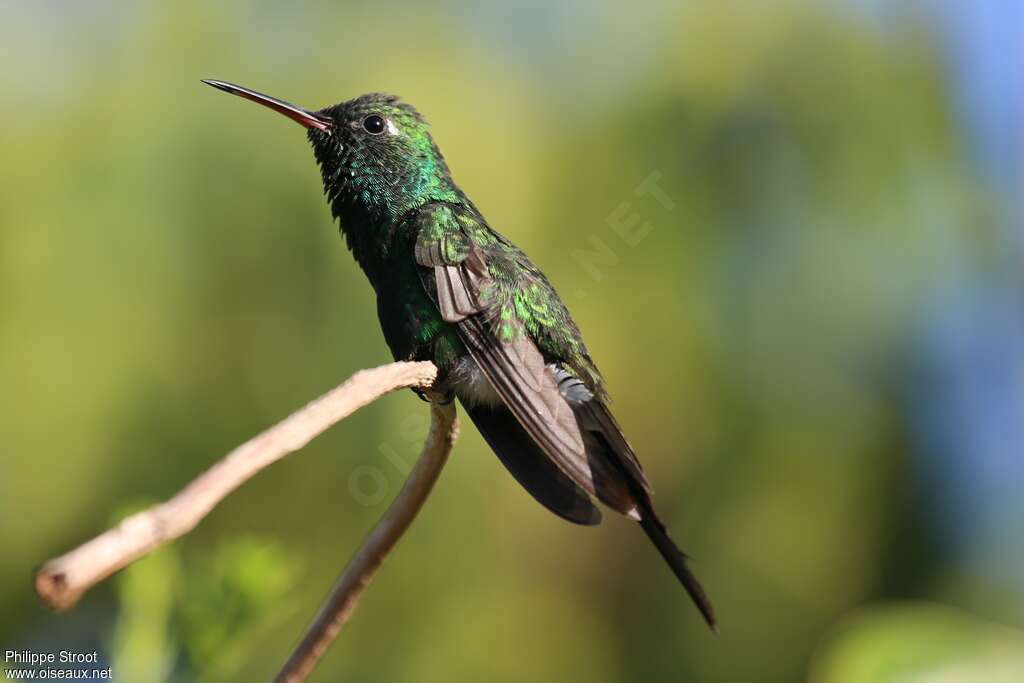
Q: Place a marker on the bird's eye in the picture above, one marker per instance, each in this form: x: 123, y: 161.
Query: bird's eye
x: 373, y: 124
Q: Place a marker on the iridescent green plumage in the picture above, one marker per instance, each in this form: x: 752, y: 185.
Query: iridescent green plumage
x: 375, y: 190
x: 452, y: 290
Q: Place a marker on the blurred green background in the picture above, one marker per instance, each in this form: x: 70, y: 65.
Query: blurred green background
x: 791, y: 333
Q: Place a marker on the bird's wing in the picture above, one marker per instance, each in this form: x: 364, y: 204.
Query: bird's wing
x: 508, y: 317
x: 467, y: 273
x: 530, y: 465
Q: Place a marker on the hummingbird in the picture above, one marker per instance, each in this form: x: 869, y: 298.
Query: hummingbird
x: 452, y: 290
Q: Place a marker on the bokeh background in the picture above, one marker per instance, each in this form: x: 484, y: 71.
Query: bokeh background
x: 814, y: 332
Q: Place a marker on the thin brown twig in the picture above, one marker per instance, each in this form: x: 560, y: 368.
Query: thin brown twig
x: 344, y: 596
x: 63, y: 580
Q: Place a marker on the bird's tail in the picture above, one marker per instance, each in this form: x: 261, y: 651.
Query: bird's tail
x: 676, y: 559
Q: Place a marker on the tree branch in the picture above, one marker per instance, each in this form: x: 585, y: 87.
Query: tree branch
x: 343, y: 598
x: 63, y: 580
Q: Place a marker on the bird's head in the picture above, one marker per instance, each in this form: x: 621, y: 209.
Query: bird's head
x: 376, y: 155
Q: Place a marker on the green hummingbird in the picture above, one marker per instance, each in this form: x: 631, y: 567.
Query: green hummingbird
x: 453, y: 291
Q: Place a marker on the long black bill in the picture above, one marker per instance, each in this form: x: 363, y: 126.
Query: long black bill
x: 303, y: 117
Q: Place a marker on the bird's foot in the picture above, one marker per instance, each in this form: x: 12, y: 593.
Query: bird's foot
x: 435, y: 395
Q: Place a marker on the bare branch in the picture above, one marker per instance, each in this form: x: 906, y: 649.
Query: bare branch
x: 63, y: 580
x: 343, y: 598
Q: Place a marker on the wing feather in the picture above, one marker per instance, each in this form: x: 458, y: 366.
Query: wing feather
x: 457, y: 275
x: 530, y: 390
x: 561, y: 416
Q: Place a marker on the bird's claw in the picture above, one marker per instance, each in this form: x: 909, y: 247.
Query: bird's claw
x: 433, y: 395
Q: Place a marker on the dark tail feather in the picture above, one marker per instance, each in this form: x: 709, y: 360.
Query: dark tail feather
x: 530, y: 466
x: 677, y: 561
